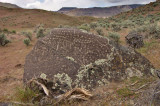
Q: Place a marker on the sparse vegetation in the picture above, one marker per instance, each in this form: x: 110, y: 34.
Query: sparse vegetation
x: 125, y: 92
x: 25, y: 95
x: 40, y: 33
x: 147, y: 46
x: 116, y: 27
x: 14, y: 31
x: 27, y: 41
x: 85, y: 27
x: 28, y: 35
x: 100, y: 31
x: 3, y: 39
x: 93, y: 25
x: 5, y: 30
x: 115, y: 36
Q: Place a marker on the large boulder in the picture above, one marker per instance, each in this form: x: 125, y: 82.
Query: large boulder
x: 72, y: 58
x: 134, y: 40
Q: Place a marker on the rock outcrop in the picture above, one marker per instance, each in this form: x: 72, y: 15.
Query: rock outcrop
x: 134, y: 40
x: 156, y: 96
x: 70, y: 58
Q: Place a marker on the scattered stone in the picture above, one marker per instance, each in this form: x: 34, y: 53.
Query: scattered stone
x: 18, y: 66
x: 134, y: 40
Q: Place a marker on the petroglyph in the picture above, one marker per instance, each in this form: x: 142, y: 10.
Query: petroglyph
x: 72, y: 58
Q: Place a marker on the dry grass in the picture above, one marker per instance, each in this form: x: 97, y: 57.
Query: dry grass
x: 151, y: 51
x: 12, y: 59
x: 19, y: 19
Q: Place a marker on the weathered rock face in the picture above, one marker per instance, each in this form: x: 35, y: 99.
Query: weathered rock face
x: 156, y: 96
x: 71, y: 58
x: 135, y: 40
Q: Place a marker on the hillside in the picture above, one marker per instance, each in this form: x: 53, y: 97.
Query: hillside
x: 19, y: 18
x: 66, y: 9
x: 8, y: 5
x: 144, y: 20
x: 152, y: 8
x: 134, y: 91
x: 98, y: 11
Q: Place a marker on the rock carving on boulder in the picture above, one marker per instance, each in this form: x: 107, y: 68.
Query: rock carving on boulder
x: 71, y: 58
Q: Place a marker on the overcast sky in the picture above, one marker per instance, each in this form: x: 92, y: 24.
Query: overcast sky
x: 57, y: 4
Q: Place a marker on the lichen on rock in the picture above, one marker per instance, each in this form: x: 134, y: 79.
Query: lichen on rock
x: 71, y: 58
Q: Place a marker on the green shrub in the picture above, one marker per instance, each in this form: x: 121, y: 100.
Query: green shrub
x: 116, y: 27
x: 3, y: 40
x: 100, y: 31
x: 40, y: 33
x: 85, y: 27
x: 26, y: 42
x: 60, y: 26
x: 38, y: 27
x: 5, y: 30
x: 125, y: 92
x: 28, y: 35
x: 142, y: 29
x: 154, y: 30
x: 14, y: 31
x: 114, y: 36
x: 128, y: 23
x: 93, y: 25
x: 24, y: 95
x: 155, y: 4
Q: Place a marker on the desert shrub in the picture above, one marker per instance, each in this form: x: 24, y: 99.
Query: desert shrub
x: 115, y: 36
x: 150, y: 31
x: 38, y: 27
x: 66, y: 26
x: 5, y: 30
x: 14, y: 31
x: 139, y: 21
x: 40, y: 33
x: 155, y: 4
x: 116, y: 27
x: 107, y: 26
x: 102, y: 25
x: 125, y: 92
x: 24, y: 95
x: 154, y: 30
x: 3, y: 40
x: 127, y: 24
x: 100, y: 31
x: 60, y: 26
x: 28, y: 35
x: 85, y: 27
x: 142, y: 29
x: 26, y: 41
x: 93, y: 25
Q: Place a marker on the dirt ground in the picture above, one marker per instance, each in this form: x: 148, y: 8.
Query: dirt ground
x: 12, y: 59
